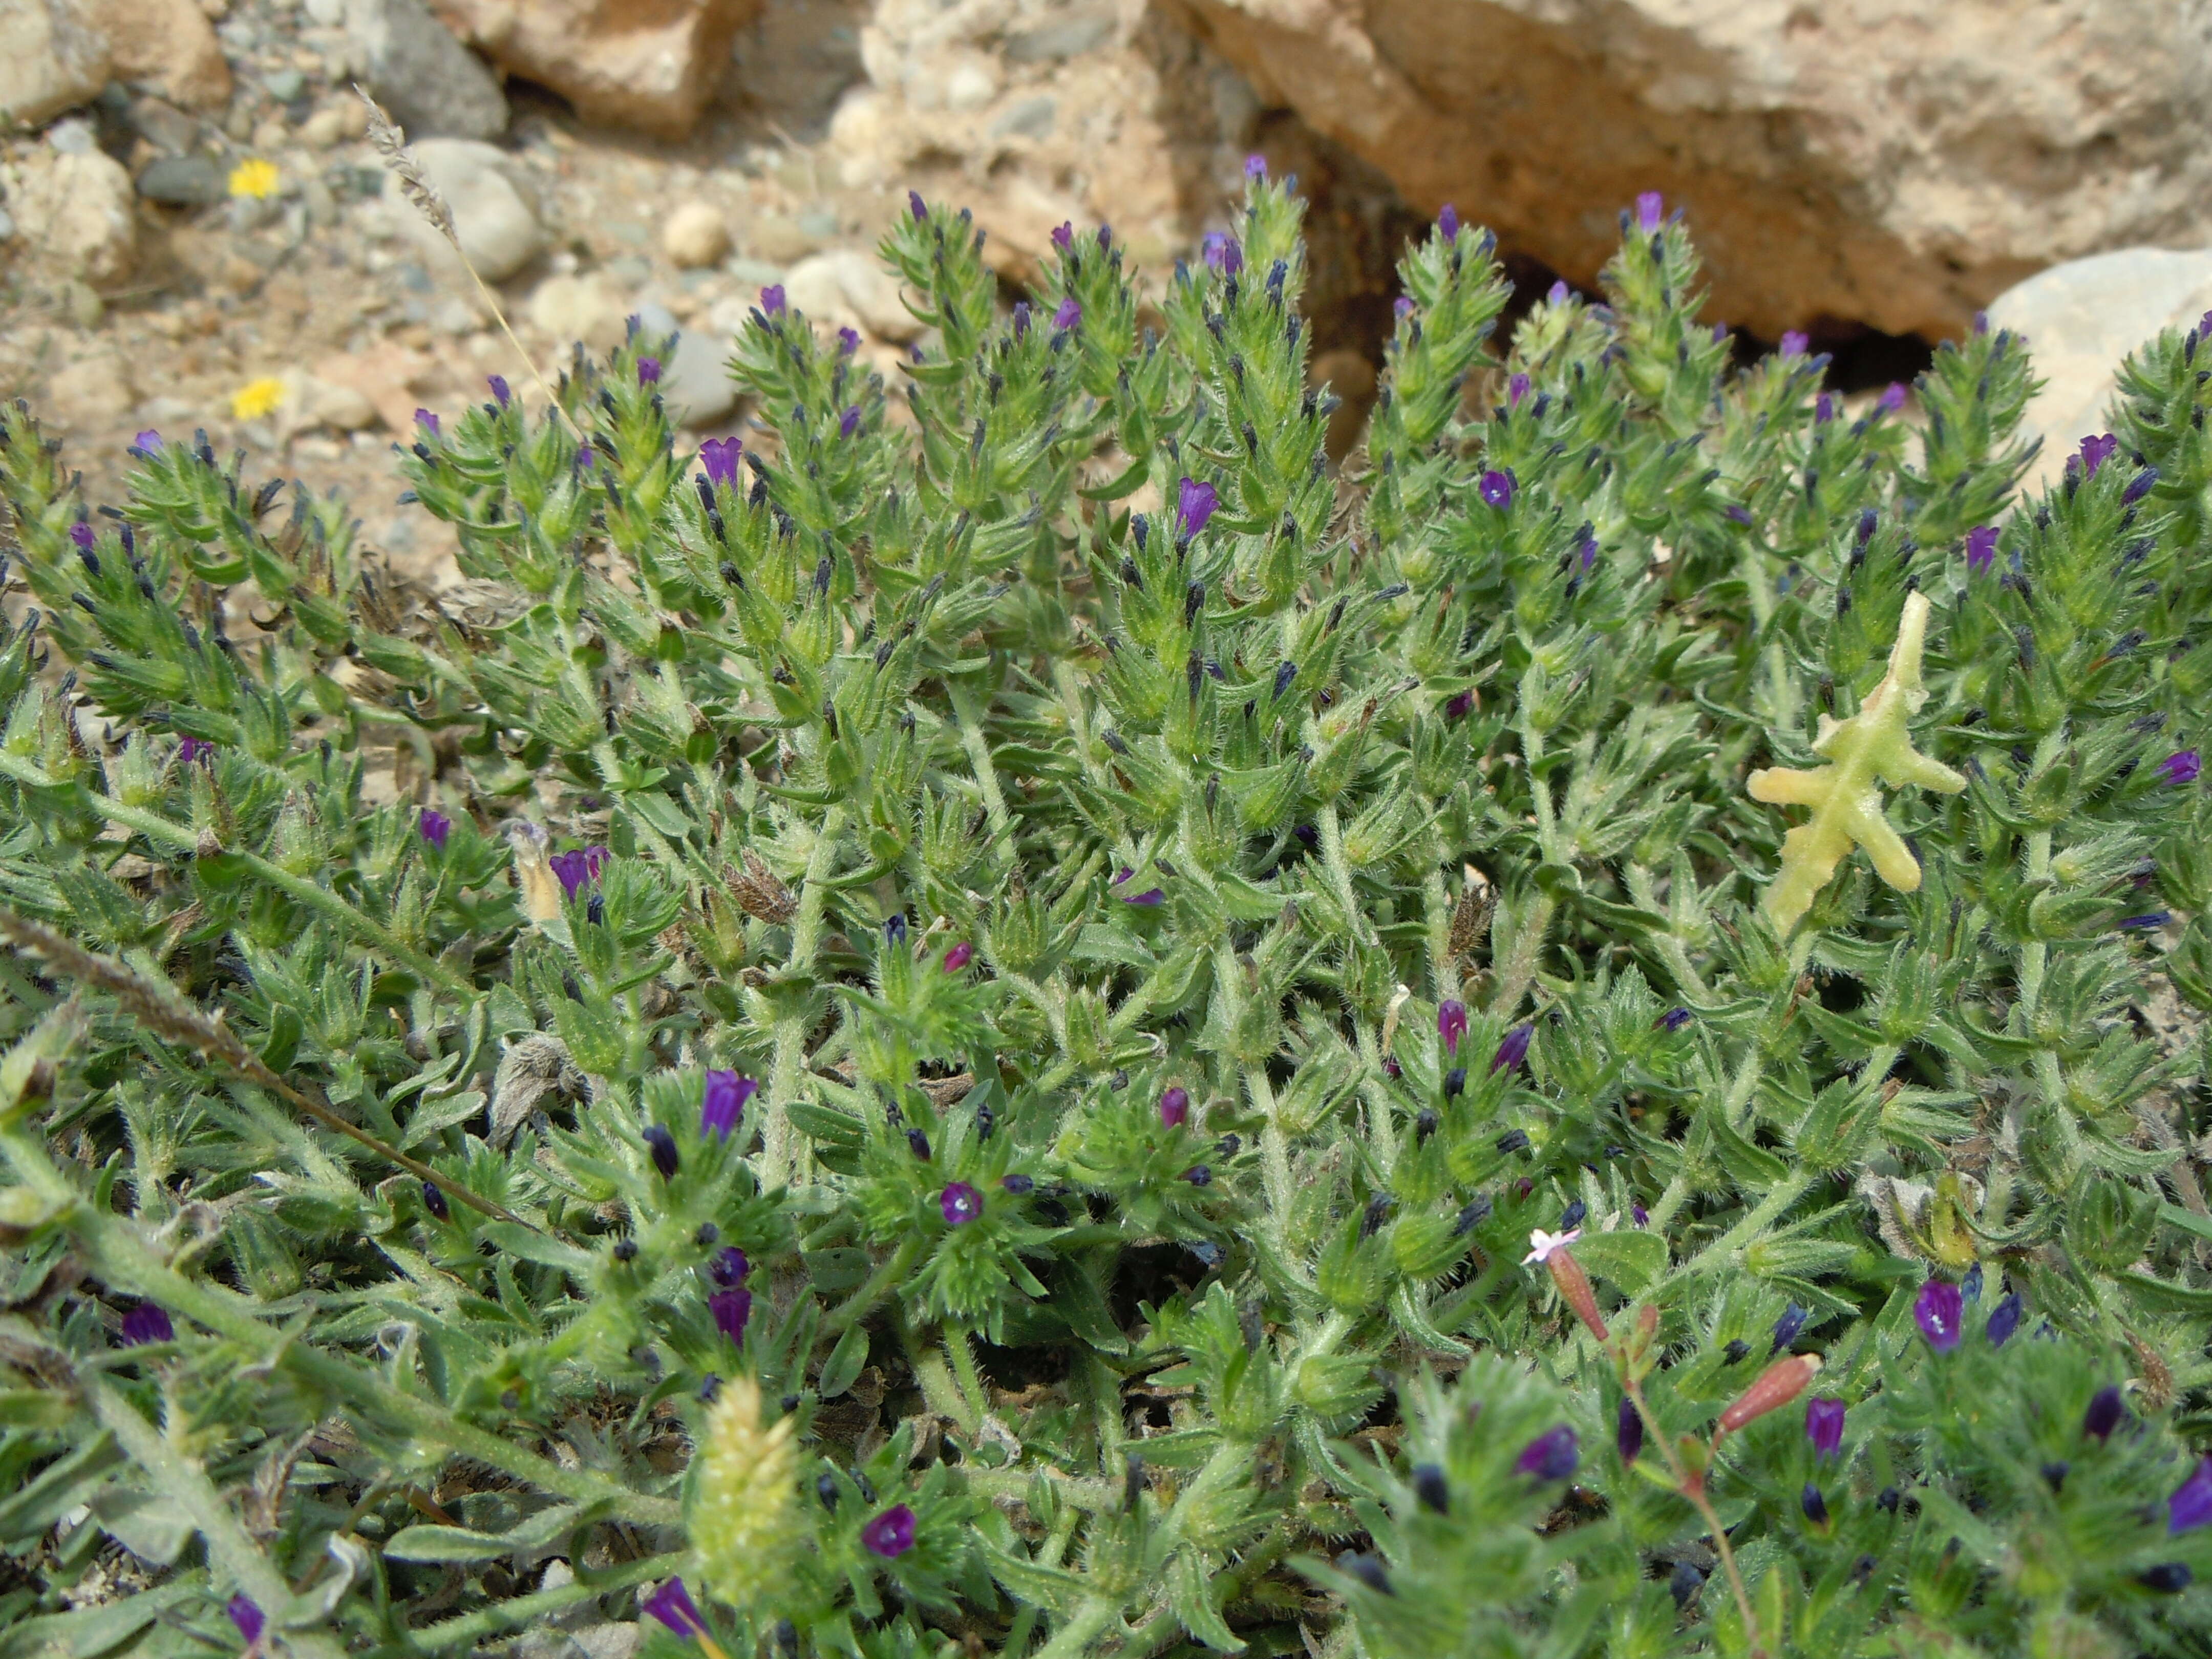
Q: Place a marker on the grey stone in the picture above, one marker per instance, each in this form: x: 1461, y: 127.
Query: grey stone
x: 695, y: 387
x: 2080, y: 318
x: 1032, y: 118
x: 483, y: 185
x: 284, y: 84
x: 7, y: 225
x: 182, y: 181
x: 818, y: 221
x: 325, y: 14
x: 165, y: 126
x: 1065, y: 36
x: 432, y: 83
x: 73, y: 137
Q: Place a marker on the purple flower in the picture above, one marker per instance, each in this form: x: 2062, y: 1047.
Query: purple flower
x: 1402, y: 307
x: 580, y: 869
x: 2179, y: 767
x: 1021, y: 319
x: 1512, y: 1049
x: 2096, y: 450
x: 1222, y: 253
x: 1793, y: 343
x: 1448, y: 223
x: 148, y: 1322
x: 722, y: 1100
x: 1824, y: 1426
x: 2004, y: 1320
x: 730, y: 1309
x: 427, y: 421
x: 1641, y: 1215
x: 1552, y: 1456
x: 1516, y: 390
x: 584, y: 459
x: 434, y: 827
x: 2107, y: 1406
x: 1938, y: 1308
x: 959, y: 957
x: 772, y: 299
x: 245, y: 1613
x: 672, y: 1605
x: 1628, y: 1430
x: 1064, y: 237
x: 1256, y: 166
x: 1451, y: 1023
x: 147, y: 443
x: 1496, y: 489
x: 662, y: 1146
x: 195, y: 752
x: 1675, y: 1018
x: 719, y: 457
x: 889, y: 1534
x: 959, y: 1204
x: 916, y: 206
x: 1150, y: 895
x: 1458, y: 707
x: 1824, y: 409
x: 648, y: 370
x: 1981, y: 548
x: 849, y: 421
x: 83, y: 535
x: 1891, y: 398
x: 1558, y: 293
x: 2191, y: 1506
x: 849, y: 341
x: 501, y: 391
x: 1194, y: 505
x: 728, y: 1268
x: 1814, y: 1505
x: 1175, y: 1108
x: 1069, y: 313
x: 1651, y: 210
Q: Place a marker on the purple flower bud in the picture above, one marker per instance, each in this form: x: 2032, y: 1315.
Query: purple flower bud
x: 849, y: 341
x: 1069, y: 313
x: 1793, y: 343
x: 772, y: 299
x: 1402, y: 307
x: 1628, y: 1430
x: 1516, y: 390
x: 433, y: 1201
x: 427, y: 421
x: 2004, y: 1320
x: 889, y: 1534
x: 195, y: 752
x: 918, y: 1144
x: 1981, y: 548
x: 730, y: 1309
x: 849, y: 421
x: 1938, y: 1308
x: 1496, y: 489
x: 1512, y: 1049
x: 148, y: 1322
x: 1175, y: 1108
x: 1788, y: 1328
x: 959, y: 957
x: 83, y: 535
x: 585, y: 459
x: 147, y: 443
x: 1675, y: 1018
x: 1641, y: 1216
x: 501, y: 393
x: 2168, y: 1578
x: 1256, y: 166
x: 1448, y: 223
x: 916, y: 206
x: 1651, y: 210
x: 1222, y: 253
x: 1552, y: 1456
x: 960, y: 1204
x: 2096, y: 450
x: 245, y: 1613
x: 434, y: 827
x: 1559, y: 292
x: 671, y: 1604
x: 648, y: 371
x: 1891, y: 398
x: 580, y: 869
x: 2149, y: 921
x: 1018, y: 1184
x: 2179, y: 767
x: 1824, y: 1426
x: 1814, y: 1505
x: 2107, y: 1406
x: 2191, y: 1506
x: 721, y: 1100
x: 662, y: 1146
x: 1432, y: 1488
x: 728, y: 1268
x: 1451, y: 1023
x: 1720, y: 333
x: 1194, y: 505
x: 1457, y: 707
x: 1150, y: 895
x: 1824, y: 409
x: 1064, y: 237
x: 719, y: 457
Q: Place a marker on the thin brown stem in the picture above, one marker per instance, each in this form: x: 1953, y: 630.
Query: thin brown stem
x: 1692, y: 1487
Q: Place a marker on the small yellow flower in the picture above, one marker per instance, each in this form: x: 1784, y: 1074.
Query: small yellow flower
x: 255, y: 178
x: 256, y: 398
x: 745, y: 1490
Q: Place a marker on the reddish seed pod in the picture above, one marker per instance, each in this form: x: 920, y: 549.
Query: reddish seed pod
x: 1778, y: 1385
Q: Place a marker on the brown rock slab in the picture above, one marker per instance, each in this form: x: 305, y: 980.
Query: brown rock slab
x: 51, y: 59
x: 165, y: 46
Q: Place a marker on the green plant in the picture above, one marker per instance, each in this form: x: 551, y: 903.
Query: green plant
x: 1081, y: 948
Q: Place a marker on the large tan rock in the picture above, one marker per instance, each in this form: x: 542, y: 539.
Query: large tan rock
x: 51, y: 59
x: 651, y: 65
x: 1893, y: 163
x: 75, y: 211
x: 166, y: 44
